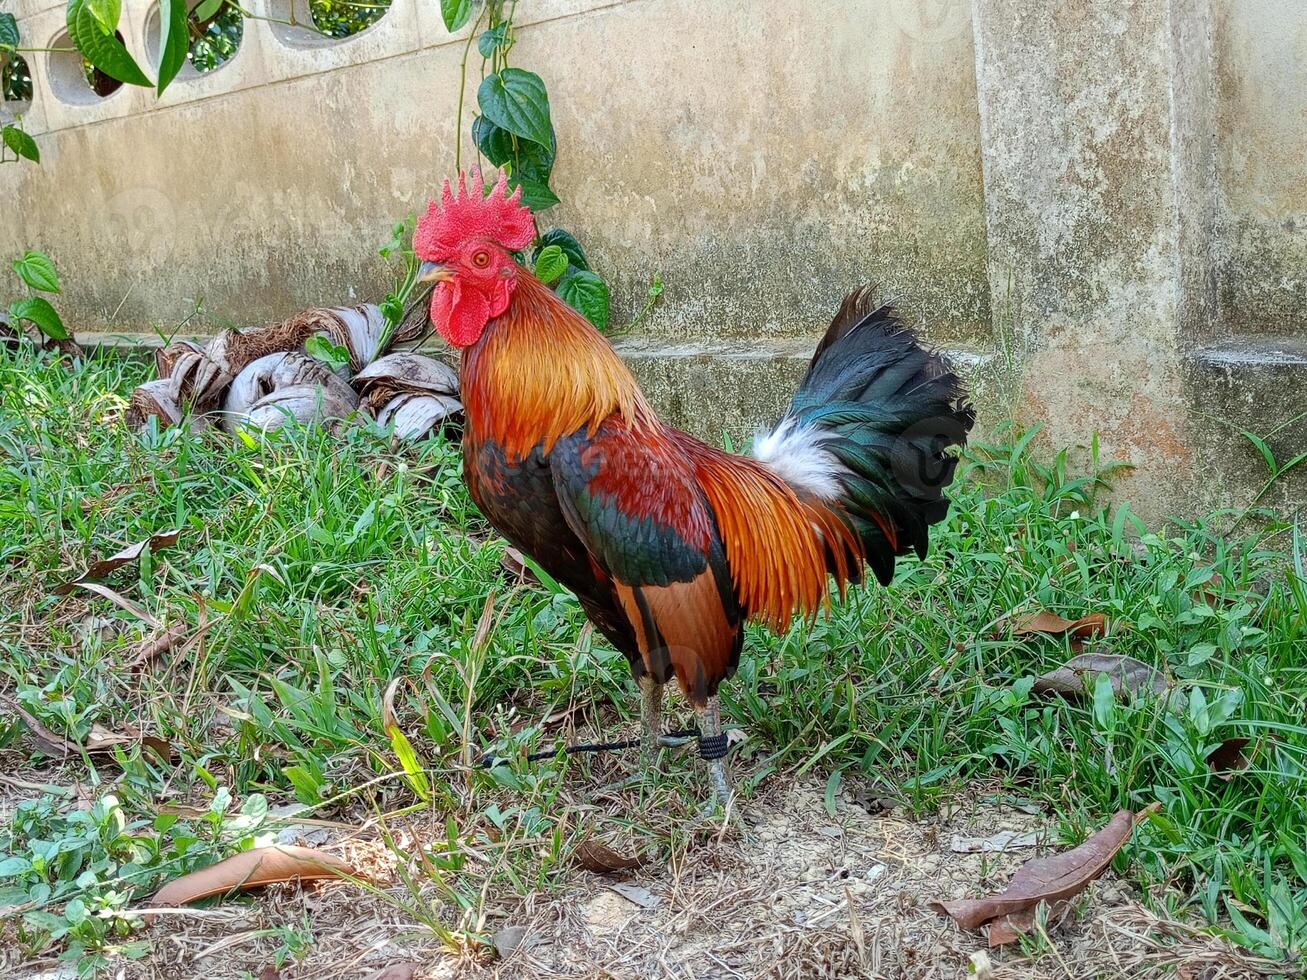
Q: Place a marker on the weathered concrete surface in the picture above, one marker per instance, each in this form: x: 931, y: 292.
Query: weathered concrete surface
x: 1245, y: 384
x: 1260, y: 52
x: 1081, y: 122
x: 761, y: 165
x: 1087, y: 201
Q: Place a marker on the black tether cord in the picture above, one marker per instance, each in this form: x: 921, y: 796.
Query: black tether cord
x: 489, y: 761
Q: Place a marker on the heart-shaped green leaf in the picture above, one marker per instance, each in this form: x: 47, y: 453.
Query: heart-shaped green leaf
x: 494, y: 38
x: 535, y: 195
x: 39, y: 311
x: 174, y: 40
x: 550, y: 263
x: 568, y: 243
x: 455, y: 13
x: 588, y: 295
x: 8, y: 31
x: 528, y: 160
x: 516, y: 100
x: 21, y: 143
x: 102, y: 50
x: 36, y: 269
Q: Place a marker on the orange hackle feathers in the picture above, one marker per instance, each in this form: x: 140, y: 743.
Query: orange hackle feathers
x: 542, y: 372
x: 471, y: 213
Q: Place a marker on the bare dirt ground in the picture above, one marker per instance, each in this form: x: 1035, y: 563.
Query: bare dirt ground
x: 785, y: 891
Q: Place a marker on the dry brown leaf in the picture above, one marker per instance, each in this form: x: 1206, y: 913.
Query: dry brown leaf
x: 104, y: 566
x: 1013, y: 926
x: 99, y: 741
x: 1052, y: 879
x: 50, y: 743
x: 1128, y: 676
x: 598, y: 857
x: 1054, y: 625
x: 118, y: 599
x: 152, y: 647
x: 1228, y: 758
x: 513, y: 563
x: 252, y: 869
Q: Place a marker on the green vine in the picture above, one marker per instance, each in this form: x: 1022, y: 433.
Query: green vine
x: 512, y: 129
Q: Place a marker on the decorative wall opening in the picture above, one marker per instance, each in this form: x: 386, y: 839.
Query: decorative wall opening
x: 74, y: 79
x: 312, y: 23
x: 214, y: 39
x: 15, y: 85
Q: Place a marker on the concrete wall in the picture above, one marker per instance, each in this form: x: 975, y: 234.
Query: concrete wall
x: 1098, y: 208
x: 1260, y: 53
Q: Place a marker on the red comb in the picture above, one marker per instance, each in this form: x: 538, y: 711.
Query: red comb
x: 473, y: 214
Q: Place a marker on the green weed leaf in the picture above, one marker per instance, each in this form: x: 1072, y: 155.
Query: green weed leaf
x: 588, y: 295
x: 38, y: 310
x: 36, y: 269
x: 334, y: 356
x: 102, y: 50
x: 21, y: 143
x: 551, y: 262
x: 516, y: 100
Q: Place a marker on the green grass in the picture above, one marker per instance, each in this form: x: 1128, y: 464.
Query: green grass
x: 312, y: 570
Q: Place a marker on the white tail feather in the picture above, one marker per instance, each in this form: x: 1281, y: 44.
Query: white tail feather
x: 795, y: 453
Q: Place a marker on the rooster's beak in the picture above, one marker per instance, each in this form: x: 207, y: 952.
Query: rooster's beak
x: 434, y: 272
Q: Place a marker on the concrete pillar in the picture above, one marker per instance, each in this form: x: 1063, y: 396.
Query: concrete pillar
x: 1096, y: 138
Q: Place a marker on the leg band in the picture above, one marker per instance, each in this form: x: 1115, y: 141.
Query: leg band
x: 713, y: 746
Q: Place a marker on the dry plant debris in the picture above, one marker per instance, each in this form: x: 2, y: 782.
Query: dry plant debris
x: 276, y: 864
x: 1053, y: 880
x: 321, y: 367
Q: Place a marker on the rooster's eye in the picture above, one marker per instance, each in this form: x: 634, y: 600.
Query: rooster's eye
x: 481, y: 259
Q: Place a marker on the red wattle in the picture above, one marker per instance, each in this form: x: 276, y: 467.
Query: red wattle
x: 459, y: 314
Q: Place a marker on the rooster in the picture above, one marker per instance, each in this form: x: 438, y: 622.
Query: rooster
x: 672, y: 545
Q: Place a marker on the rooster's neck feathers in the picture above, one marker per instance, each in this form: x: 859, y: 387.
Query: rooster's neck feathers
x: 541, y: 371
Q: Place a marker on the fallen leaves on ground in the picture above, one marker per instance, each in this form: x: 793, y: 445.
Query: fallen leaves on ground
x: 120, y: 600
x: 596, y: 856
x: 255, y: 868
x: 1228, y: 758
x: 1051, y: 624
x: 515, y: 564
x: 997, y: 842
x: 1055, y: 879
x: 1128, y: 676
x: 101, y: 568
x: 100, y: 740
x: 152, y: 647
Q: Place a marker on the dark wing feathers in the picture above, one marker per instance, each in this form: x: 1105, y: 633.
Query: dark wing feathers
x: 634, y: 503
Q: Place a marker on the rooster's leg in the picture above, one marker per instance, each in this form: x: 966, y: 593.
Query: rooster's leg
x: 712, y: 748
x: 651, y: 718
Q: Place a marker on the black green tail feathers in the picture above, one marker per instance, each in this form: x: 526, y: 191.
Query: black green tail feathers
x: 871, y: 427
